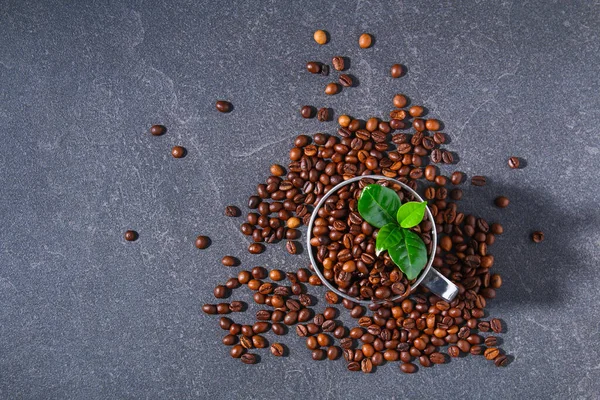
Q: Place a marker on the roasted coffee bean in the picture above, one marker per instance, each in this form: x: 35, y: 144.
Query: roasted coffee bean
x: 408, y: 368
x: 437, y: 358
x: 345, y: 80
x: 491, y: 341
x: 323, y: 114
x: 328, y: 326
x: 453, y: 351
x: 237, y: 351
x: 313, y: 67
x: 202, y: 242
x: 333, y: 352
x: 157, y: 130
x: 400, y: 101
x: 223, y: 308
x: 246, y: 342
x: 364, y: 41
x: 456, y: 177
x: 476, y: 350
x: 478, y: 180
x: 306, y: 112
x: 537, y: 236
x: 290, y: 318
x: 291, y: 247
x: 396, y: 71
x: 447, y: 157
x: 496, y: 325
x: 301, y: 330
x: 278, y: 329
x: 338, y: 63
x: 223, y: 106
x: 229, y: 340
x: 277, y: 349
x: 249, y: 358
x: 260, y: 327
x: 339, y: 332
x: 329, y: 313
x: 501, y: 361
x: 220, y: 291
x: 318, y: 354
x: 256, y: 248
x: 501, y: 202
x: 232, y: 283
x: 311, y: 343
x: 346, y: 343
x: 230, y: 261
x: 325, y: 70
x: 331, y: 297
x: 263, y: 315
x: 436, y: 156
x: 491, y: 353
x: 232, y: 211
x: 513, y: 162
x: 331, y: 89
x: 131, y: 236
x: 353, y: 366
x: 366, y: 365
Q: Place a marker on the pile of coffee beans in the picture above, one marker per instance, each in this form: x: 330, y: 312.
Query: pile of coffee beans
x: 418, y: 329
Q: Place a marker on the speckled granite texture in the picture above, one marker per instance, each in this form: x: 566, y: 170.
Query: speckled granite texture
x: 84, y: 315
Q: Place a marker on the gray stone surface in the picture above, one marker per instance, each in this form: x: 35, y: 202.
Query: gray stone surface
x: 85, y: 315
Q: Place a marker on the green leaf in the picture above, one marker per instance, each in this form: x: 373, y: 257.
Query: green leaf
x: 387, y: 236
x: 411, y: 213
x: 409, y: 254
x: 378, y: 205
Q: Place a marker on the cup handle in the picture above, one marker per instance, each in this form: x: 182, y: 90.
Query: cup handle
x: 440, y: 285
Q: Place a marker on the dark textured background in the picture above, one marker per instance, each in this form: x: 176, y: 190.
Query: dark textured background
x: 84, y: 314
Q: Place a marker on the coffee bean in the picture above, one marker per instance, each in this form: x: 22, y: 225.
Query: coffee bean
x: 232, y: 211
x: 364, y: 41
x: 230, y: 261
x: 331, y: 89
x: 366, y: 365
x: 328, y: 326
x: 157, y: 130
x: 400, y: 101
x: 495, y: 281
x: 323, y: 114
x: 491, y: 341
x: 223, y: 308
x: 319, y: 319
x: 353, y: 366
x: 202, y: 242
x: 491, y: 353
x: 223, y: 106
x: 249, y: 359
x: 476, y: 350
x: 345, y: 80
x: 325, y: 70
x: 304, y: 299
x: 329, y: 313
x: 313, y: 67
x: 130, y: 235
x: 320, y: 36
x: 338, y: 63
x: 501, y: 361
x: 496, y: 325
x: 453, y: 351
x: 447, y: 157
x: 237, y: 351
x: 277, y: 349
x: 220, y: 291
x: 501, y: 201
x: 259, y: 342
x: 291, y: 247
x: 408, y: 368
x: 209, y: 308
x: 396, y: 71
x: 229, y: 340
x: 301, y: 330
x: 278, y: 329
x: 339, y: 332
x: 436, y: 156
x: 537, y: 236
x: 346, y: 343
x: 236, y: 306
x: 306, y: 112
x: 256, y: 248
x: 513, y: 162
x: 478, y: 180
x: 437, y: 358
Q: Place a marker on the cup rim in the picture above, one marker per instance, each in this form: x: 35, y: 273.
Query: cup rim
x: 317, y: 267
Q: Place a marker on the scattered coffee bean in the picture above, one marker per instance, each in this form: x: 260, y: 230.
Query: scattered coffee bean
x: 131, y: 236
x: 256, y: 248
x: 178, y: 152
x: 364, y: 41
x: 491, y: 353
x: 230, y: 261
x: 223, y: 106
x: 400, y: 101
x: 232, y: 211
x: 157, y: 130
x: 491, y: 341
x: 291, y: 247
x: 331, y: 89
x: 408, y: 368
x: 325, y: 70
x: 237, y: 351
x: 501, y: 201
x: 220, y: 291
x: 501, y: 361
x: 496, y: 325
x: 202, y: 242
x: 323, y: 114
x: 249, y: 358
x: 209, y: 308
x: 478, y: 180
x: 513, y: 162
x: 306, y: 112
x: 338, y: 63
x: 345, y: 80
x: 396, y: 71
x: 320, y: 36
x: 537, y: 236
x: 277, y: 349
x: 313, y: 67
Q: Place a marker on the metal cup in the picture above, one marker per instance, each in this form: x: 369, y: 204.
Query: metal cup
x: 429, y: 277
